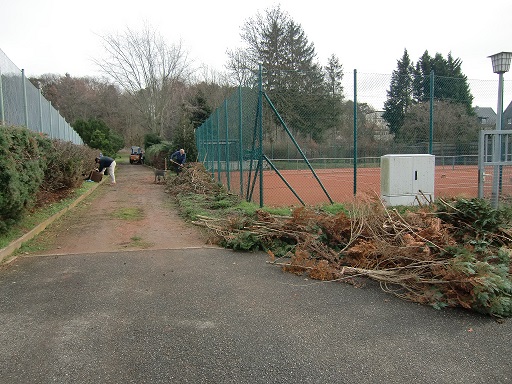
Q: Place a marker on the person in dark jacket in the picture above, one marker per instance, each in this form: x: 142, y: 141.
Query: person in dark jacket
x: 105, y: 162
x: 178, y: 158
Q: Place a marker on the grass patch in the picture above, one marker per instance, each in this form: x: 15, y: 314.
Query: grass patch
x: 334, y: 209
x: 193, y: 205
x: 136, y: 241
x: 31, y: 246
x: 122, y: 158
x: 33, y: 219
x: 249, y: 208
x: 128, y: 213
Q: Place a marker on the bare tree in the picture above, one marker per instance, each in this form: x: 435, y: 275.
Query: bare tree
x: 452, y: 125
x: 149, y: 71
x: 83, y: 98
x: 240, y: 68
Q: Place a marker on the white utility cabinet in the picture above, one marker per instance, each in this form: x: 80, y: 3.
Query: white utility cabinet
x: 402, y: 177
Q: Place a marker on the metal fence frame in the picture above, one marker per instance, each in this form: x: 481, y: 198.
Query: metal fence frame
x: 225, y: 150
x: 494, y: 150
x: 22, y: 104
x: 215, y: 132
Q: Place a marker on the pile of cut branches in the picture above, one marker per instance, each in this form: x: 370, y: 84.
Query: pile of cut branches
x: 452, y: 253
x: 193, y: 179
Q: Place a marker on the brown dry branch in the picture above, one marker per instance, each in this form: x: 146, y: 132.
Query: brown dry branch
x: 400, y: 252
x: 409, y: 254
x: 192, y: 179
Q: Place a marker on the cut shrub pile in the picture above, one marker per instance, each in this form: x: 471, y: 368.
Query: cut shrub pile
x: 452, y: 253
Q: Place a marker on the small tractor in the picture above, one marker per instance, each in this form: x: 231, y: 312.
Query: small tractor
x: 137, y: 155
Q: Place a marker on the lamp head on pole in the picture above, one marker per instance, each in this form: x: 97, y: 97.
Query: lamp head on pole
x: 501, y: 62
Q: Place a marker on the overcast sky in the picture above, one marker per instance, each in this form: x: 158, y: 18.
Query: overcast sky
x: 61, y: 36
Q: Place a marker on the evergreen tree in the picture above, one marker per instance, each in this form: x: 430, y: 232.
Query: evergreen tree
x: 459, y: 90
x: 200, y: 109
x: 412, y: 86
x: 334, y: 76
x: 96, y: 134
x: 399, y: 96
x: 421, y: 82
x: 151, y: 139
x: 291, y: 76
x: 450, y: 83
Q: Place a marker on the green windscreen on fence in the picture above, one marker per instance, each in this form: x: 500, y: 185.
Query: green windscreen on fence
x: 296, y: 140
x: 228, y: 144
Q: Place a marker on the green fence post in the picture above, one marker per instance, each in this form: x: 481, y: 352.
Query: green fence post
x: 355, y: 131
x: 203, y: 143
x: 228, y: 178
x: 218, y: 145
x: 50, y: 122
x: 431, y: 135
x: 198, y: 146
x: 210, y: 145
x: 260, y: 131
x: 240, y: 143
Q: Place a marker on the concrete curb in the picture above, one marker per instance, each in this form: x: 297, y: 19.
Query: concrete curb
x: 16, y: 244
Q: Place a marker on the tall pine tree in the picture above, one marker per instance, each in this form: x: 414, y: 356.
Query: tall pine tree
x: 292, y: 77
x: 334, y: 77
x: 450, y: 84
x: 399, y: 95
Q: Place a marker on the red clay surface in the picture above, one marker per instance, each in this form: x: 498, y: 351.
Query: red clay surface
x: 97, y: 224
x: 449, y: 181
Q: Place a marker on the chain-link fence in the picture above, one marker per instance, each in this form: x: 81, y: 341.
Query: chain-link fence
x: 22, y: 104
x: 229, y: 145
x: 311, y: 144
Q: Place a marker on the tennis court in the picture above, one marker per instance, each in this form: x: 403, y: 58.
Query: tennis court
x: 449, y: 181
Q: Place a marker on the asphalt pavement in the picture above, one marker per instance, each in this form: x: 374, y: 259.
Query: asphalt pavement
x: 209, y: 315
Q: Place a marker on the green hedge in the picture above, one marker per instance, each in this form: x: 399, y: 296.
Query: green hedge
x: 29, y: 163
x: 21, y: 173
x: 66, y: 163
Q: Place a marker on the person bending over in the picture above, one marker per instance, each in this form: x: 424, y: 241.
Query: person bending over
x: 108, y: 163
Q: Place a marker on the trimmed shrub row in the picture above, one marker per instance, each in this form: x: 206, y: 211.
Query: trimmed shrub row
x: 30, y: 162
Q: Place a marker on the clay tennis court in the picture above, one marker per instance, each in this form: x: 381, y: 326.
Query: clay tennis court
x: 449, y: 181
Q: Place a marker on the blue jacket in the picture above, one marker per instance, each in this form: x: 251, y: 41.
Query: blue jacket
x: 178, y: 157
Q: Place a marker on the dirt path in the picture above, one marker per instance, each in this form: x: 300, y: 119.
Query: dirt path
x: 134, y: 214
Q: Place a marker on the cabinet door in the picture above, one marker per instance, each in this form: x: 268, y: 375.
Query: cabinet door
x: 396, y: 175
x: 423, y: 174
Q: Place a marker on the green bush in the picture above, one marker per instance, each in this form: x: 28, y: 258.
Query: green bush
x: 21, y: 173
x: 157, y: 154
x: 66, y: 163
x: 96, y: 134
x: 474, y: 216
x: 31, y: 163
x: 151, y: 139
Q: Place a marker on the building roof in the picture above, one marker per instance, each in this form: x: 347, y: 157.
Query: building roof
x: 485, y: 112
x: 486, y: 115
x: 508, y: 110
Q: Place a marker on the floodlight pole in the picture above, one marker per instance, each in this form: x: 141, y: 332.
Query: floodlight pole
x: 497, y: 145
x: 500, y: 65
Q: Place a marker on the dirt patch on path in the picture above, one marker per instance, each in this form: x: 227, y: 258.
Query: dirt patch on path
x: 134, y: 214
